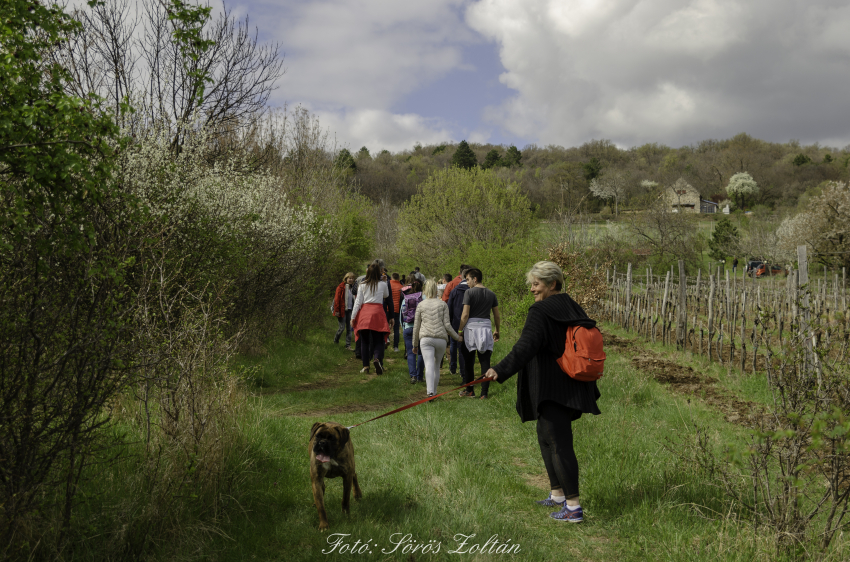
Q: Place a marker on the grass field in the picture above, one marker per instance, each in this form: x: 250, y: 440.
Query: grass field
x: 459, y: 467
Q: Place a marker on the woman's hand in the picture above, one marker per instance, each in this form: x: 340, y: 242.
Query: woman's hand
x: 496, y: 335
x: 491, y: 375
x: 415, y: 351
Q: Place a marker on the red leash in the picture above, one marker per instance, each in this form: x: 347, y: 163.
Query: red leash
x: 397, y: 410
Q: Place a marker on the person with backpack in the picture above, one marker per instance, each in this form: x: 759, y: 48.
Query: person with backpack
x: 544, y: 391
x: 431, y: 332
x: 477, y: 330
x: 343, y: 303
x: 415, y: 362
x: 455, y: 304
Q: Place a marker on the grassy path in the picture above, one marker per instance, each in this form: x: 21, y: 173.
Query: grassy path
x: 469, y: 467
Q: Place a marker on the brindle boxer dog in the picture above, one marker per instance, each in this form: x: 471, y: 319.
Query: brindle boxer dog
x: 331, y: 455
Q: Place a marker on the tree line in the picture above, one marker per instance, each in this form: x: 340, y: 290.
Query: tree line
x: 555, y: 178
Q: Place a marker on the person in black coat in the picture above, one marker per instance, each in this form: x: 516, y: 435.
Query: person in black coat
x: 544, y: 392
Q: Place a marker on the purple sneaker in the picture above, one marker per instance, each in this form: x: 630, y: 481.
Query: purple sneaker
x: 567, y: 514
x: 549, y: 502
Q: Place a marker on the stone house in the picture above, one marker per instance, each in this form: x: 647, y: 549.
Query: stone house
x: 682, y: 197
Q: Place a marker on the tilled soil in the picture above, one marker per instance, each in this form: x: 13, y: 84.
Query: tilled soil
x: 686, y: 381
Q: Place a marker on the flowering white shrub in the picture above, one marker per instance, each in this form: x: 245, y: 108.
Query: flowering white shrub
x: 228, y: 196
x: 741, y: 185
x: 228, y: 224
x: 613, y: 185
x: 824, y: 226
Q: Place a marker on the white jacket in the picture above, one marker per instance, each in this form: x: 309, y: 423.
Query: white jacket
x: 432, y: 321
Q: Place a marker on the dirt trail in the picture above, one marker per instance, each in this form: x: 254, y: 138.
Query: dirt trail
x: 344, y: 375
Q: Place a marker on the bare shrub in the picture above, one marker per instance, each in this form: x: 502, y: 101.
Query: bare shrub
x: 583, y: 273
x: 668, y: 236
x: 792, y: 475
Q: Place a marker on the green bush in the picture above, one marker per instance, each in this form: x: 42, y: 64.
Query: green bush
x: 504, y: 269
x: 455, y: 208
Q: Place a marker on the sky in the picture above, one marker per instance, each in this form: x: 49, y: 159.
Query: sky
x: 387, y: 74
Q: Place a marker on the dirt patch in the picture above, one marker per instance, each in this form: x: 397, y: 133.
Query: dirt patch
x: 618, y: 344
x: 684, y: 380
x: 538, y: 481
x: 345, y: 409
x: 667, y: 372
x: 315, y: 385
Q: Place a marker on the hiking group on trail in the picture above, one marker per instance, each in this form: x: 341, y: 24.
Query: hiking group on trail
x: 558, y: 356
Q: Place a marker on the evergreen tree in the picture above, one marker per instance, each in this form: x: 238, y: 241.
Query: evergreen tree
x: 492, y: 160
x: 363, y: 153
x: 513, y: 157
x: 345, y: 161
x: 592, y: 169
x: 724, y: 240
x: 464, y: 157
x: 801, y: 160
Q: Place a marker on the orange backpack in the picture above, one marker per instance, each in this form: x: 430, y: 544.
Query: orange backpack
x: 583, y: 357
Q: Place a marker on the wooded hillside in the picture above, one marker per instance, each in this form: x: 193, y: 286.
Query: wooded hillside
x: 555, y: 177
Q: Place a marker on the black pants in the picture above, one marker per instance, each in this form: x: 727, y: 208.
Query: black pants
x: 555, y: 436
x: 372, y: 343
x: 467, y: 366
x: 396, y: 328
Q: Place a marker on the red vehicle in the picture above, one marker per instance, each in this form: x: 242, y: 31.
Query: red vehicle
x: 765, y: 270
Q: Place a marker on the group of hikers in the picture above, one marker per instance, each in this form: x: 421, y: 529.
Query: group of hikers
x: 437, y: 318
x: 458, y: 312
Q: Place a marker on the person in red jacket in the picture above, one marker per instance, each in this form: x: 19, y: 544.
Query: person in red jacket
x: 395, y: 294
x: 447, y: 291
x: 343, y: 303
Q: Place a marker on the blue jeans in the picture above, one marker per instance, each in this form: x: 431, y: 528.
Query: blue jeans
x: 344, y: 324
x: 453, y: 358
x: 414, y: 367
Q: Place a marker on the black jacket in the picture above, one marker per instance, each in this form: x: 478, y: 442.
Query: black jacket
x: 456, y: 304
x: 534, y: 358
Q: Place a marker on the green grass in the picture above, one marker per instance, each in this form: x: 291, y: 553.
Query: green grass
x: 459, y: 466
x: 443, y: 469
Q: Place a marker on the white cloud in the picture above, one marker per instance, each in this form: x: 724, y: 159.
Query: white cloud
x: 363, y: 53
x: 638, y: 71
x: 352, y: 61
x: 378, y: 129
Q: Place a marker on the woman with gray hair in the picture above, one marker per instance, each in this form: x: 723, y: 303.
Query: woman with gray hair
x: 544, y: 392
x: 431, y: 332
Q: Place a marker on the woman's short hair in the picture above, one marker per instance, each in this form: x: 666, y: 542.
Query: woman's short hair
x: 546, y: 272
x: 430, y: 290
x: 347, y: 275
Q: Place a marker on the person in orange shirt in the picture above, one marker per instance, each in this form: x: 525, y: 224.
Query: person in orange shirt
x: 395, y: 294
x: 452, y: 284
